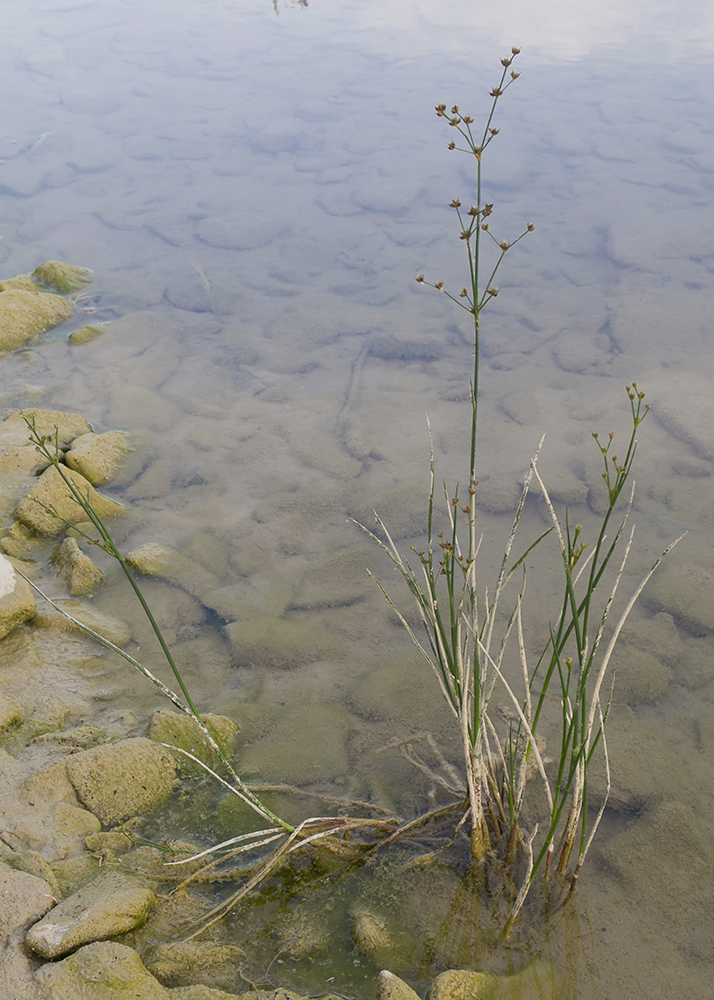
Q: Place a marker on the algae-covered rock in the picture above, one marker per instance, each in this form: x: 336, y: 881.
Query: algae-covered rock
x: 97, y: 457
x: 124, y: 779
x: 86, y: 333
x: 34, y: 863
x: 76, y: 570
x: 57, y: 426
x: 262, y: 594
x: 370, y: 935
x: 22, y: 281
x: 640, y: 676
x: 49, y: 505
x: 19, y: 542
x: 25, y: 898
x: 63, y: 278
x: 279, y: 642
x: 110, y: 628
x: 153, y: 559
x: 391, y: 987
x: 113, y: 903
x: 25, y: 314
x: 17, y: 602
x: 10, y: 713
x: 182, y: 731
x: 459, y: 984
x: 179, y: 963
x: 103, y: 970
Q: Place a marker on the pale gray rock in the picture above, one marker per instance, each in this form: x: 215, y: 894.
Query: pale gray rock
x: 17, y: 602
x: 123, y: 779
x: 25, y: 898
x: 112, y: 904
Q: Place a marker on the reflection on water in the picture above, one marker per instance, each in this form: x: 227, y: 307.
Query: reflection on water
x: 256, y: 195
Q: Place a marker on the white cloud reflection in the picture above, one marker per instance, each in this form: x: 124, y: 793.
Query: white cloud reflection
x: 558, y: 30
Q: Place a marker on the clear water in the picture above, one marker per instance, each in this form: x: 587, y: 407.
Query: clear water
x: 291, y: 153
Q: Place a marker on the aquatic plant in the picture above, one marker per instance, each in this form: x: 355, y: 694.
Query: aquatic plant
x: 468, y: 641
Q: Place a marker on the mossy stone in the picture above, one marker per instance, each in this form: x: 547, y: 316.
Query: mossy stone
x: 97, y: 457
x: 123, y: 779
x: 86, y: 333
x: 182, y: 731
x: 49, y: 505
x: 22, y: 281
x: 59, y: 427
x: 460, y: 984
x: 17, y: 602
x: 61, y: 277
x: 25, y: 314
x: 100, y: 971
x: 110, y: 628
x: 76, y: 570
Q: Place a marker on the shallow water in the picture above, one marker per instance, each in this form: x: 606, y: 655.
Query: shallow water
x: 291, y: 155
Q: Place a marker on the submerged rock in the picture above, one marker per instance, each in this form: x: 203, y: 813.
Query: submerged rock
x: 284, y: 643
x: 86, y: 333
x: 75, y: 569
x: 25, y: 898
x: 50, y: 503
x: 61, y: 277
x: 459, y: 984
x: 97, y: 457
x: 17, y: 602
x: 25, y: 314
x: 110, y: 628
x: 124, y: 779
x: 153, y: 559
x: 685, y: 592
x: 391, y: 987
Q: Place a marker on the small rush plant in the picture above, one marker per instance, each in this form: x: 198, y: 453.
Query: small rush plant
x: 467, y: 641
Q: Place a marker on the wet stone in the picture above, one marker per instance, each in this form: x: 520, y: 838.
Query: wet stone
x: 183, y: 732
x: 58, y: 426
x: 25, y: 314
x: 61, y: 277
x: 459, y: 984
x: 391, y: 987
x: 97, y: 457
x: 113, y: 903
x: 50, y: 503
x: 17, y: 602
x: 280, y: 643
x: 102, y: 970
x: 124, y: 779
x: 76, y: 570
x: 110, y: 628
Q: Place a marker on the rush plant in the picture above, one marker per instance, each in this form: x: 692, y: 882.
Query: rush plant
x: 467, y: 640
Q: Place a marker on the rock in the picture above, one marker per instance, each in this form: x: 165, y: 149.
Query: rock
x: 25, y: 898
x: 86, y: 333
x: 260, y: 595
x: 76, y: 570
x: 124, y: 779
x: 639, y: 676
x: 26, y: 314
x: 78, y: 738
x: 97, y: 457
x: 639, y: 756
x: 684, y: 591
x: 391, y: 987
x: 280, y: 642
x: 110, y: 628
x: 17, y: 602
x: 458, y: 984
x: 200, y: 992
x: 103, y: 970
x: 695, y: 667
x: 308, y: 744
x: 10, y: 713
x: 63, y: 278
x: 22, y: 281
x: 59, y: 426
x: 370, y: 935
x: 182, y: 731
x: 111, y: 840
x: 34, y: 863
x: 19, y: 542
x: 112, y: 904
x: 178, y: 963
x: 51, y: 491
x: 153, y: 559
